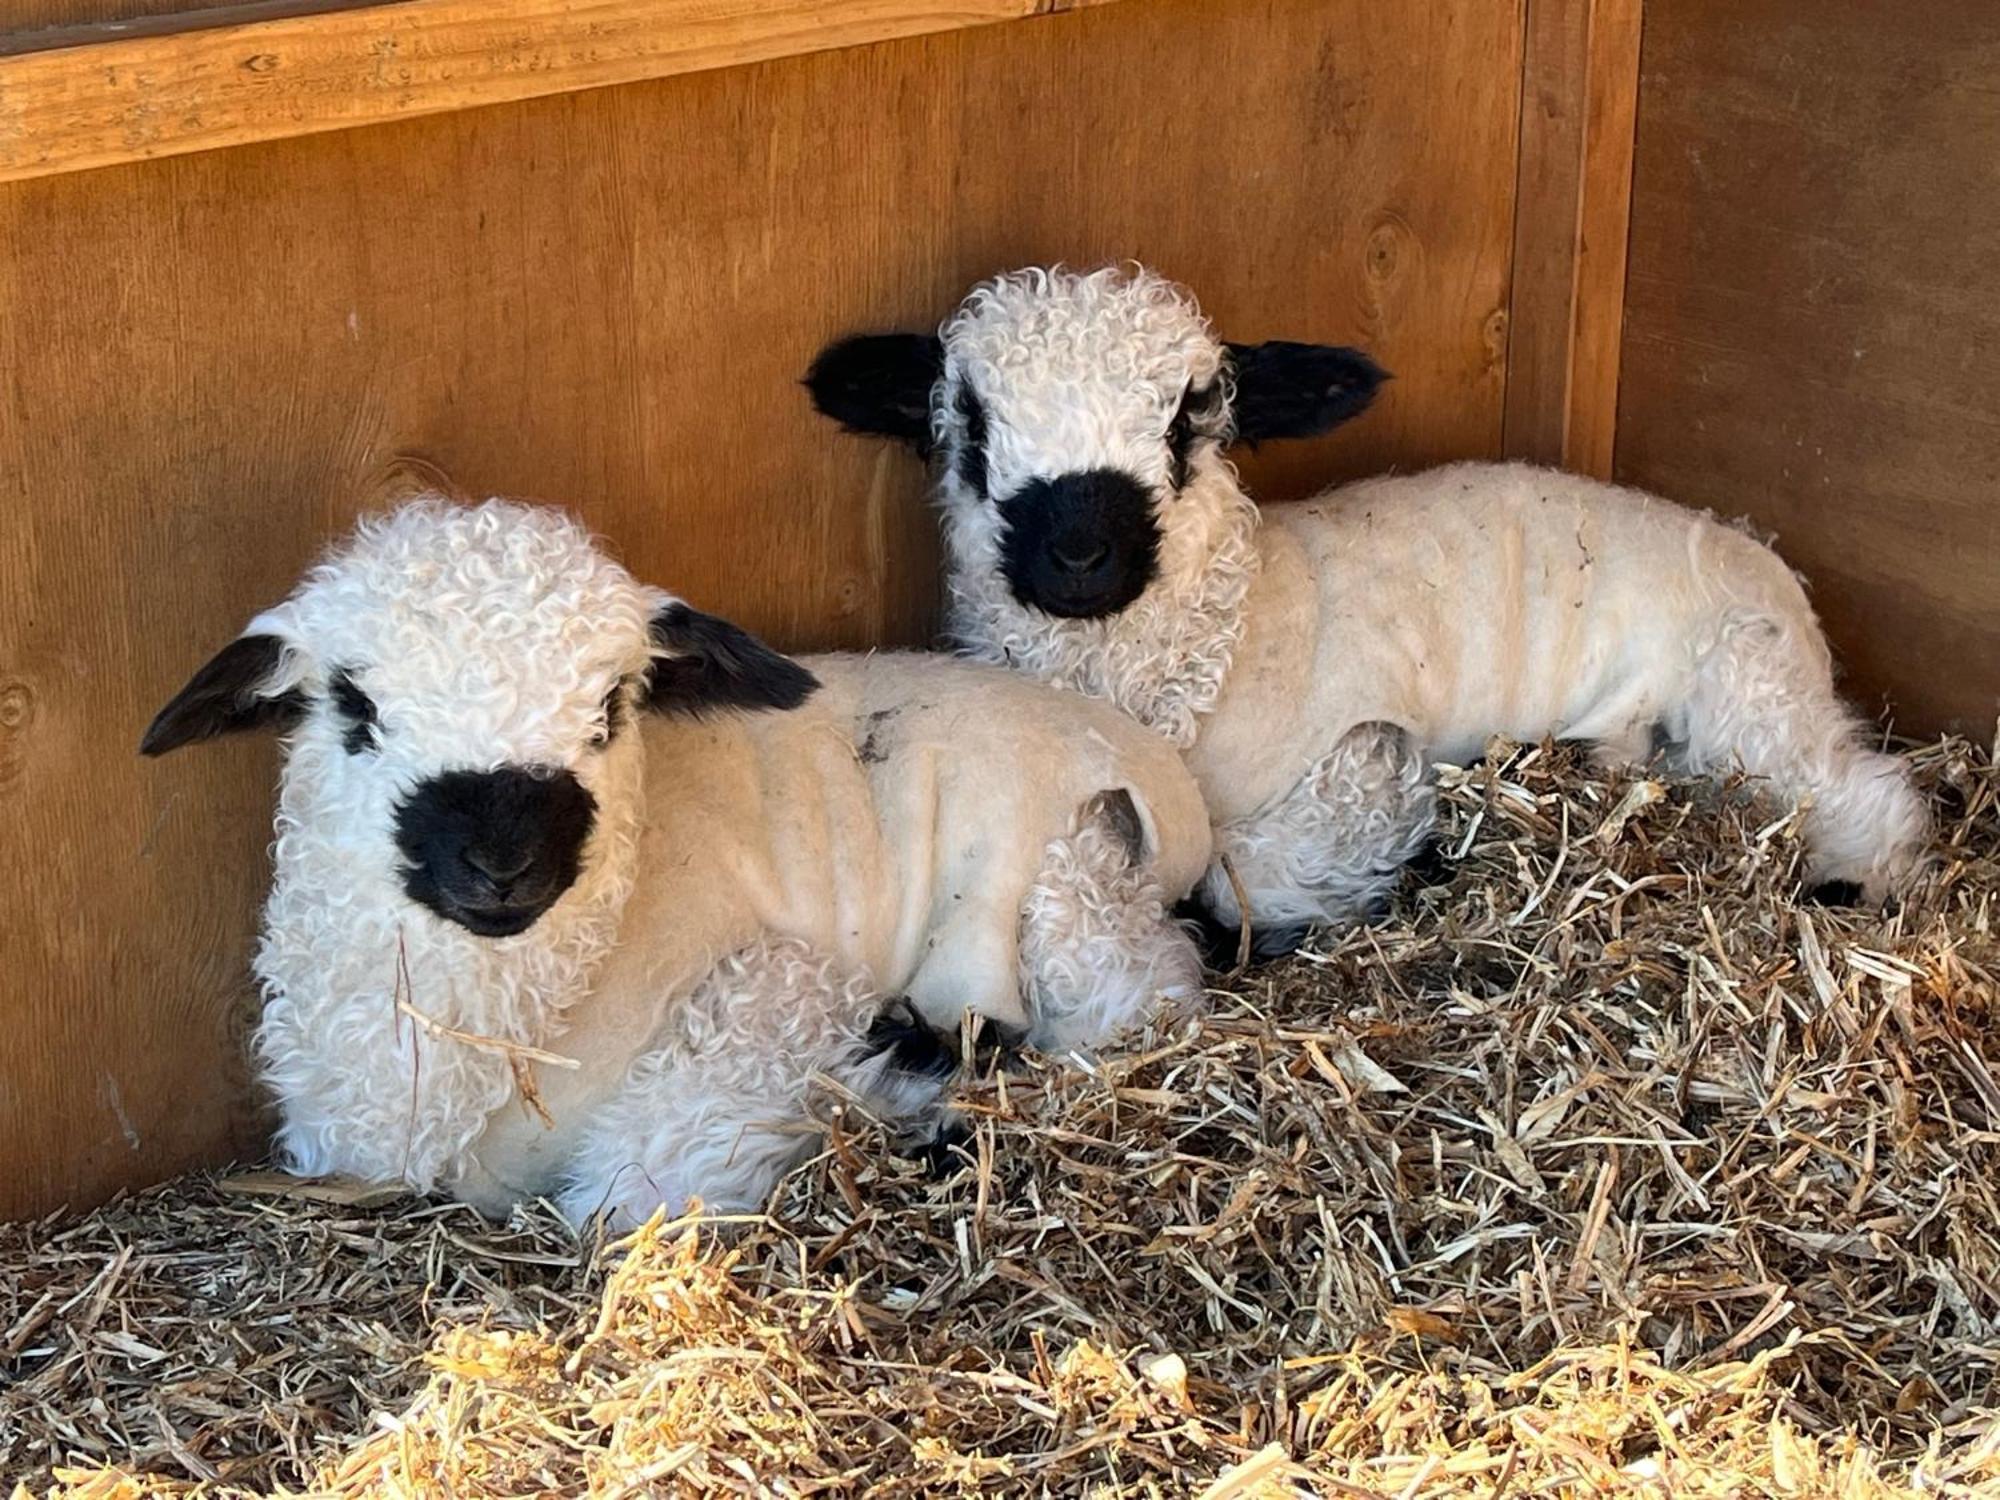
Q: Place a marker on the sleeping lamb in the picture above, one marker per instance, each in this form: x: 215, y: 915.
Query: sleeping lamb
x: 1313, y: 661
x: 582, y: 892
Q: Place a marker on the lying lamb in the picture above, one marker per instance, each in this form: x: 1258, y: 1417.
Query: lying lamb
x: 1312, y: 666
x: 579, y: 890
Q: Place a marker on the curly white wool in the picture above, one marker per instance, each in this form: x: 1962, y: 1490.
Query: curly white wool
x: 1098, y: 946
x: 718, y: 1108
x: 485, y: 636
x: 1084, y: 372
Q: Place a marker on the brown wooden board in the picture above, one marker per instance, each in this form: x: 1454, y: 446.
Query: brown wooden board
x: 608, y: 298
x: 261, y: 72
x: 1812, y: 331
x: 1578, y: 89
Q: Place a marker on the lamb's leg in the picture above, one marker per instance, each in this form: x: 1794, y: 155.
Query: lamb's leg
x: 732, y: 1100
x: 1099, y: 950
x: 1763, y: 699
x: 1328, y: 850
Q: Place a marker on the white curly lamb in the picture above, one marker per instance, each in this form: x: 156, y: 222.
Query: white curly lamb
x: 1313, y: 661
x: 581, y: 892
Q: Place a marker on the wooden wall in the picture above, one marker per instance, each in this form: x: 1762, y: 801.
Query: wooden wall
x: 1812, y: 332
x: 607, y: 298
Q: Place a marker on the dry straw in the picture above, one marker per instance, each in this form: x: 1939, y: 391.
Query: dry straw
x: 1603, y: 1165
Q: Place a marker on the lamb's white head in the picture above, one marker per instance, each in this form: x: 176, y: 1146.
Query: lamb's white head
x: 1067, y: 412
x: 456, y: 685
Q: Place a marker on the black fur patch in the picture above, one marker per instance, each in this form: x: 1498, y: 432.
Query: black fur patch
x: 357, y: 712
x: 1080, y: 547
x: 972, y: 450
x: 714, y: 666
x: 1190, y: 424
x: 223, y: 698
x: 879, y: 384
x: 912, y: 1046
x: 1835, y: 893
x: 493, y: 850
x: 1428, y: 866
x: 1287, y: 390
x: 871, y: 750
x: 944, y: 1153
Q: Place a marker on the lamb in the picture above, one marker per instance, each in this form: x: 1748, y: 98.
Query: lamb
x: 1314, y: 661
x: 581, y: 892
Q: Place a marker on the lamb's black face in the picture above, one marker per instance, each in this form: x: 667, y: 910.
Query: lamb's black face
x: 1080, y: 547
x: 493, y: 850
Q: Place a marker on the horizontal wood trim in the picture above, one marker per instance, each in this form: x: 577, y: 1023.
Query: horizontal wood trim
x: 228, y: 77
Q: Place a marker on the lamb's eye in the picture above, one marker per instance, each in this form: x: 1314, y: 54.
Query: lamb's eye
x: 357, y: 712
x: 972, y: 454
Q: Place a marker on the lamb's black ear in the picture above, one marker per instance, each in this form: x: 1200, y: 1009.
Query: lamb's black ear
x: 227, y: 695
x: 712, y: 665
x: 1286, y: 390
x: 880, y: 384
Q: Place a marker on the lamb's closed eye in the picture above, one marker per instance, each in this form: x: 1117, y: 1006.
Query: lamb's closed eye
x: 360, y: 726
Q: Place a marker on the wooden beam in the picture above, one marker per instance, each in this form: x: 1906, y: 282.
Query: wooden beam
x: 1579, y: 94
x: 231, y: 76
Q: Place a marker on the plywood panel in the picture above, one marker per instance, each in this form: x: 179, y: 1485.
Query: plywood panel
x: 1812, y: 336
x: 608, y: 298
x: 1579, y: 86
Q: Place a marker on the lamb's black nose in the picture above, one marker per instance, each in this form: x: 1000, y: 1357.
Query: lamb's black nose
x: 493, y: 850
x: 1079, y: 546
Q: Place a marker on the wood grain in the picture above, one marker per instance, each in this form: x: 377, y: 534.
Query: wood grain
x: 161, y: 93
x: 607, y: 298
x: 1579, y: 91
x: 1812, y: 336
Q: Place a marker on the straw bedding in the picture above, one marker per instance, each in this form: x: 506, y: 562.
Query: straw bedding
x: 1603, y: 1163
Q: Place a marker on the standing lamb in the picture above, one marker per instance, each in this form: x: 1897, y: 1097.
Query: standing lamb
x: 579, y: 891
x: 1313, y: 662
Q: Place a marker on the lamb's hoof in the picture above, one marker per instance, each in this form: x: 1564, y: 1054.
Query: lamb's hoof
x: 1267, y: 943
x: 1836, y: 893
x: 1428, y: 866
x: 997, y: 1046
x: 946, y: 1154
x: 1221, y: 946
x: 911, y: 1045
x: 1216, y: 944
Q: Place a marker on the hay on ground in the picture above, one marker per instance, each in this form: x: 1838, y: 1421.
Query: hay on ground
x: 1603, y: 1163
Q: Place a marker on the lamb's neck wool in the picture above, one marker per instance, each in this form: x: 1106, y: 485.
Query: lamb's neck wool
x: 378, y: 981
x: 1163, y: 659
